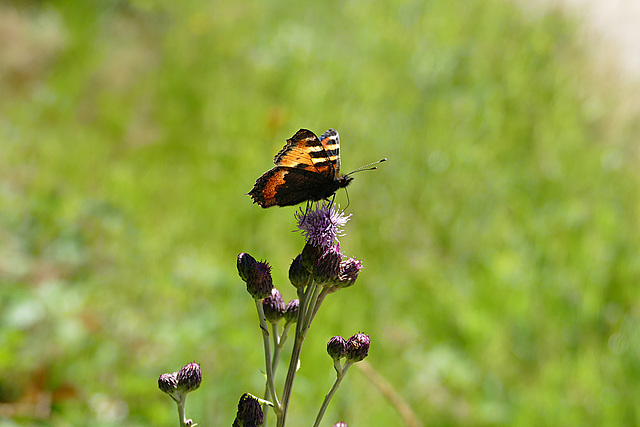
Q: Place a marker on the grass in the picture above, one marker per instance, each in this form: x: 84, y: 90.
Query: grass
x: 500, y: 241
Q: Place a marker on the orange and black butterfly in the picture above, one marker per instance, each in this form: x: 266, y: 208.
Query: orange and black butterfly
x: 307, y: 169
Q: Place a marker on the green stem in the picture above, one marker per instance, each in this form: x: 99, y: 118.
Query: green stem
x: 183, y: 419
x: 274, y: 366
x: 301, y: 330
x: 267, y: 355
x: 339, y: 377
x: 321, y: 297
x: 310, y: 311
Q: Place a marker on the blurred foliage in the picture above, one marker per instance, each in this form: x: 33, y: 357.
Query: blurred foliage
x: 500, y: 242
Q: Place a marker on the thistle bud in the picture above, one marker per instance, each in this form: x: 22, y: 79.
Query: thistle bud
x: 310, y: 255
x: 273, y: 306
x: 349, y: 270
x: 256, y: 274
x: 291, y: 311
x: 328, y: 267
x: 168, y: 383
x: 189, y: 378
x: 249, y: 412
x: 337, y: 347
x: 358, y: 347
x: 246, y: 266
x: 298, y: 274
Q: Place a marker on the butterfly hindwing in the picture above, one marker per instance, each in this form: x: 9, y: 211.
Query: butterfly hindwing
x: 287, y: 186
x: 307, y: 168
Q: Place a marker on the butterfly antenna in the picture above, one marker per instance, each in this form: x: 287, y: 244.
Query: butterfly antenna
x: 368, y: 167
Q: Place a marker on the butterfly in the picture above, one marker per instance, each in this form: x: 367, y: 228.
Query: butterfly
x: 307, y: 169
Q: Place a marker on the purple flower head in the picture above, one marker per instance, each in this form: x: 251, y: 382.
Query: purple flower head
x: 168, y: 383
x: 256, y: 274
x: 321, y: 226
x: 337, y: 347
x: 358, y: 347
x: 291, y: 311
x: 327, y: 269
x: 349, y: 270
x: 189, y: 377
x: 273, y: 306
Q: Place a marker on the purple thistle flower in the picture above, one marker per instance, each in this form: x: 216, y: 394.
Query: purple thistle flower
x: 321, y: 226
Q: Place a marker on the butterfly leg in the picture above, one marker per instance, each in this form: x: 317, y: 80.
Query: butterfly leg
x: 331, y: 201
x: 306, y: 210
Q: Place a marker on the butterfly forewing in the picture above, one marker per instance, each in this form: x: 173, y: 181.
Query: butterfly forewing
x: 330, y: 141
x: 297, y: 152
x: 307, y: 168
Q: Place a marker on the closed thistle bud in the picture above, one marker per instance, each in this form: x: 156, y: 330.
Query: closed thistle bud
x: 249, y: 412
x: 256, y: 274
x: 358, y: 347
x: 273, y: 306
x: 298, y: 274
x: 328, y: 267
x: 291, y: 311
x: 168, y: 383
x: 310, y: 255
x: 337, y: 347
x: 349, y: 270
x: 189, y: 377
x: 246, y: 266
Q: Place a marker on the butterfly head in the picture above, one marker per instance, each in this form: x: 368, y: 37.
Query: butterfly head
x: 344, y: 180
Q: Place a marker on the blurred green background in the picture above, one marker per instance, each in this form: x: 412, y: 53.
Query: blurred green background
x: 500, y: 241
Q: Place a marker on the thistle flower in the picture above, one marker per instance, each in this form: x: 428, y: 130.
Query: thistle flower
x: 256, y: 274
x: 337, y: 347
x: 273, y: 306
x: 340, y: 424
x: 358, y: 347
x: 321, y: 226
x: 189, y: 378
x: 291, y: 311
x: 249, y: 412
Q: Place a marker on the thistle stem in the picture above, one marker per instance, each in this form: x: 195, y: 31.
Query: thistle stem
x: 321, y: 297
x: 301, y: 331
x: 183, y: 418
x: 277, y: 348
x: 267, y: 356
x: 311, y: 309
x: 340, y: 374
